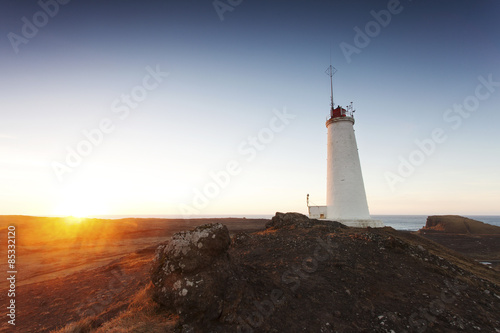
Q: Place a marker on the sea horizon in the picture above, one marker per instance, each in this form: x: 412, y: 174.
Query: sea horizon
x: 398, y: 222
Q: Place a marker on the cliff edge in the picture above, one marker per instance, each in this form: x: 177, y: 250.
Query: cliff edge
x: 454, y: 224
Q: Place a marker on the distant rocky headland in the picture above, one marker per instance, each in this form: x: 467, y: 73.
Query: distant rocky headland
x: 454, y: 224
x: 475, y: 239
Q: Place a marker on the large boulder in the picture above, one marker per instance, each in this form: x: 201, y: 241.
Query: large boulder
x: 190, y: 270
x: 297, y: 220
x: 281, y: 220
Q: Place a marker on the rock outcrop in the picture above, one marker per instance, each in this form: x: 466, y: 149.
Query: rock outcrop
x: 454, y: 224
x: 302, y: 275
x: 189, y: 272
x: 281, y: 220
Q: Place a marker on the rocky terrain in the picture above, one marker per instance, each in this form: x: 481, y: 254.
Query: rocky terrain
x: 89, y: 270
x: 472, y: 238
x: 53, y: 247
x: 293, y: 275
x: 302, y: 275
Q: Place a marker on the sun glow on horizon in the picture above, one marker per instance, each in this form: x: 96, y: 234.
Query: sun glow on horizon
x: 73, y: 219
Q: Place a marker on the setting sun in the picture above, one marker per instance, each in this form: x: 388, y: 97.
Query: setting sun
x: 74, y: 219
x: 80, y: 203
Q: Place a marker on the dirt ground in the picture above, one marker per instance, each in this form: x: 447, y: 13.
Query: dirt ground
x: 66, y: 281
x: 484, y: 248
x: 104, y: 291
x: 68, y: 271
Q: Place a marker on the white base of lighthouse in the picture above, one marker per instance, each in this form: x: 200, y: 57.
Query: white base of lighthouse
x: 320, y: 213
x: 362, y: 223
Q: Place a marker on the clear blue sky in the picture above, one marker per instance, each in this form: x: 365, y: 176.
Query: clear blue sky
x: 227, y: 79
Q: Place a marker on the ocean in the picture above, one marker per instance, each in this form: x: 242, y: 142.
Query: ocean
x: 415, y: 222
x: 398, y: 222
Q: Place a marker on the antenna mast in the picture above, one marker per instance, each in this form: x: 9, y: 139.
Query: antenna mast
x: 330, y: 71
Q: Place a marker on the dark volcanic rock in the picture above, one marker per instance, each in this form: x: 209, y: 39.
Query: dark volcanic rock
x: 302, y: 275
x: 281, y: 220
x: 189, y: 272
x: 454, y: 224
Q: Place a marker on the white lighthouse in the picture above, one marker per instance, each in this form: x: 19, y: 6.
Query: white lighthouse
x: 345, y: 190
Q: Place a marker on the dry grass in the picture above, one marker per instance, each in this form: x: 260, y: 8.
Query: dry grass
x: 85, y: 325
x: 266, y: 232
x: 143, y: 315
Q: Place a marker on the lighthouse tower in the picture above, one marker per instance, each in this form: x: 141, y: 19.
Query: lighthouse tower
x: 345, y: 193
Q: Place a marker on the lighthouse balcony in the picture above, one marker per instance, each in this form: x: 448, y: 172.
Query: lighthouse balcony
x: 339, y: 119
x: 341, y: 114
